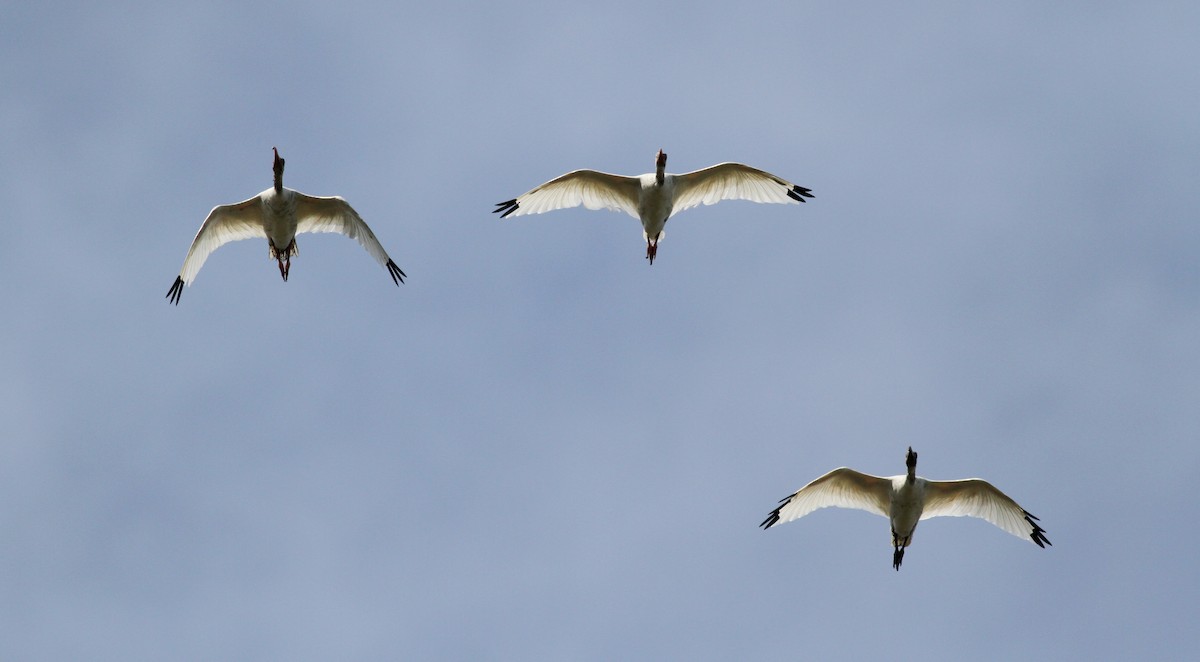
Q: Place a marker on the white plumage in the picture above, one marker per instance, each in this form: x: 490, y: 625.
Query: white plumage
x: 907, y: 499
x: 278, y: 214
x: 655, y: 197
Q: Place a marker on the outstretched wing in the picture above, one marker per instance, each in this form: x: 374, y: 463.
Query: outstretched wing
x: 734, y: 181
x: 333, y: 214
x: 844, y: 488
x: 225, y: 223
x: 974, y: 497
x: 590, y: 188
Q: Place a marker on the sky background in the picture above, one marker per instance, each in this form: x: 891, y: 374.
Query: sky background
x: 540, y: 447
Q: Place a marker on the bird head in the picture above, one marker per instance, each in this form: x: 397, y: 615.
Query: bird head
x: 910, y: 460
x: 660, y: 167
x: 278, y: 168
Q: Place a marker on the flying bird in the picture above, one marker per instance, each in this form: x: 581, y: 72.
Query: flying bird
x: 654, y: 198
x: 907, y: 499
x: 278, y: 214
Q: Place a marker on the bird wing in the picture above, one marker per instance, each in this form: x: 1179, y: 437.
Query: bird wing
x: 333, y: 214
x: 225, y: 223
x: 733, y: 181
x: 974, y: 497
x: 590, y: 188
x: 844, y: 488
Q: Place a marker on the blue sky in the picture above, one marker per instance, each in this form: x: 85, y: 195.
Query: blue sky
x: 540, y: 447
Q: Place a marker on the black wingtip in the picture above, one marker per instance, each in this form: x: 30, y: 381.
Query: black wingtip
x: 395, y: 272
x: 798, y: 193
x: 773, y: 518
x: 1038, y: 535
x: 508, y: 207
x: 176, y: 291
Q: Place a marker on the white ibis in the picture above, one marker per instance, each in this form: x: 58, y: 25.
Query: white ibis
x: 907, y: 499
x: 654, y: 198
x: 278, y: 214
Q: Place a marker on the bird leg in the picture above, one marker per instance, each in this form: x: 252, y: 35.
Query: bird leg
x: 284, y: 257
x: 651, y: 248
x: 898, y: 545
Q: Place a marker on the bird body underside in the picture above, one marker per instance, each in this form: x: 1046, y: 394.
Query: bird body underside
x: 277, y: 214
x: 655, y: 205
x: 907, y: 502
